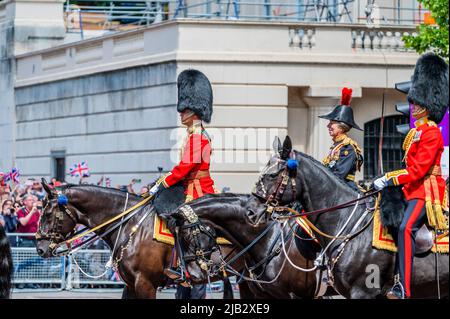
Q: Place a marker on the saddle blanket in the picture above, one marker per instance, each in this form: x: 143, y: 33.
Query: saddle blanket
x: 382, y: 239
x: 162, y: 233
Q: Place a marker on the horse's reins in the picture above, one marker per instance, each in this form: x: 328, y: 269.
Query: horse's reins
x: 324, y: 210
x: 141, y: 203
x: 66, y: 243
x: 317, y: 230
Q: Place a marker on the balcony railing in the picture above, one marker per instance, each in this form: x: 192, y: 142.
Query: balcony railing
x: 119, y: 15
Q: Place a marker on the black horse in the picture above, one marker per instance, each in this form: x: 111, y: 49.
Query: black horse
x: 361, y: 271
x: 6, y: 265
x: 228, y: 215
x: 141, y: 260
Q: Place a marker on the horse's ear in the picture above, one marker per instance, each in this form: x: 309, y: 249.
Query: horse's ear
x: 287, y: 148
x: 277, y: 145
x: 47, y: 188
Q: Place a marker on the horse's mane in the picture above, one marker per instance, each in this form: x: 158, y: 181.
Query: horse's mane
x: 324, y: 169
x: 101, y: 188
x: 218, y: 196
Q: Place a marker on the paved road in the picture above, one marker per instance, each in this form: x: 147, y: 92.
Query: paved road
x: 93, y: 294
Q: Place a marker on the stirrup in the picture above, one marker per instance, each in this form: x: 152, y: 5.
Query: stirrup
x: 397, y: 291
x: 174, y: 274
x: 185, y: 284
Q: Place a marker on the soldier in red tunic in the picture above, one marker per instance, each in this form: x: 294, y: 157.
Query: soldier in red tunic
x: 195, y: 101
x: 422, y: 182
x: 195, y: 105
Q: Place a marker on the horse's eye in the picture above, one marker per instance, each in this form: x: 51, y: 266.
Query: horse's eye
x: 273, y: 174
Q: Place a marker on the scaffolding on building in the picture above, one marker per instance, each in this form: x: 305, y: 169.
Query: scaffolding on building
x: 123, y: 15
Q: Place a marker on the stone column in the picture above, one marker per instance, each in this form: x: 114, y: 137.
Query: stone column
x: 38, y: 24
x: 7, y: 69
x: 25, y: 25
x: 318, y: 139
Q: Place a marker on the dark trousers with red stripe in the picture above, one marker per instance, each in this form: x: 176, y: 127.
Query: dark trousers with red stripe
x: 414, y: 218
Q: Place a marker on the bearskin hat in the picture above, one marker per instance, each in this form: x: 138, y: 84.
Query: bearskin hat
x: 343, y: 112
x: 195, y: 93
x: 429, y: 87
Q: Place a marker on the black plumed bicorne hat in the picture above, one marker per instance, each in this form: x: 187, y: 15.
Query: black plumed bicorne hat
x: 343, y: 112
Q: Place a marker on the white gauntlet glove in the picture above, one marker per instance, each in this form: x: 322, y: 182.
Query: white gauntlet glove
x: 154, y: 189
x: 380, y: 183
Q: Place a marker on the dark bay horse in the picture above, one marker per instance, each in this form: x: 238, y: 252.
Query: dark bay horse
x: 142, y: 262
x: 227, y: 216
x: 361, y: 271
x: 6, y: 265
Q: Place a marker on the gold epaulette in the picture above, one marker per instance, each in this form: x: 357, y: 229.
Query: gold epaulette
x: 408, y: 140
x: 353, y: 143
x: 357, y: 149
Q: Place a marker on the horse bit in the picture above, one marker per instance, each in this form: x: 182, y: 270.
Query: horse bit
x: 200, y: 256
x: 272, y: 201
x: 55, y: 234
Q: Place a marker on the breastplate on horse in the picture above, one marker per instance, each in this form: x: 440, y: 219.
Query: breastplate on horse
x: 345, y: 156
x: 422, y: 181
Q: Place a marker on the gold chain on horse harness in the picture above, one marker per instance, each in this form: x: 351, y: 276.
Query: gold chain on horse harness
x: 134, y: 229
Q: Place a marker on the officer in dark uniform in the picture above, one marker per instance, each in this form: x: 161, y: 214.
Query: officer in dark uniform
x: 345, y: 156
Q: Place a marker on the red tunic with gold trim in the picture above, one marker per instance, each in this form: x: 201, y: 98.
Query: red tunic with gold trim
x: 422, y: 178
x: 193, y: 168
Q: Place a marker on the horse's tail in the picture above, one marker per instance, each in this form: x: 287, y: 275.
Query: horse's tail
x: 6, y: 265
x: 227, y: 289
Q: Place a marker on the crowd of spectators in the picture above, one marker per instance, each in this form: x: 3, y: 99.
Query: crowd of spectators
x: 21, y: 205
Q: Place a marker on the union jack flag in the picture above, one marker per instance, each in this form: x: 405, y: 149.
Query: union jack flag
x: 2, y: 179
x: 12, y: 176
x: 79, y: 170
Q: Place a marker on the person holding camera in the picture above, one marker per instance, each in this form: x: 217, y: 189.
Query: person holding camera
x: 130, y: 186
x: 10, y: 221
x: 9, y: 216
x: 28, y: 218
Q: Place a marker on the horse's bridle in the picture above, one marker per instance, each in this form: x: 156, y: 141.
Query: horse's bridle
x: 197, y: 254
x: 54, y: 236
x: 272, y: 200
x: 200, y: 256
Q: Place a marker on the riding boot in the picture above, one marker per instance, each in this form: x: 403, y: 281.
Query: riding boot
x: 174, y: 272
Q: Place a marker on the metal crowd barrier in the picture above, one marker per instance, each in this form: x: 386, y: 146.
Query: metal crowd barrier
x: 81, y: 270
